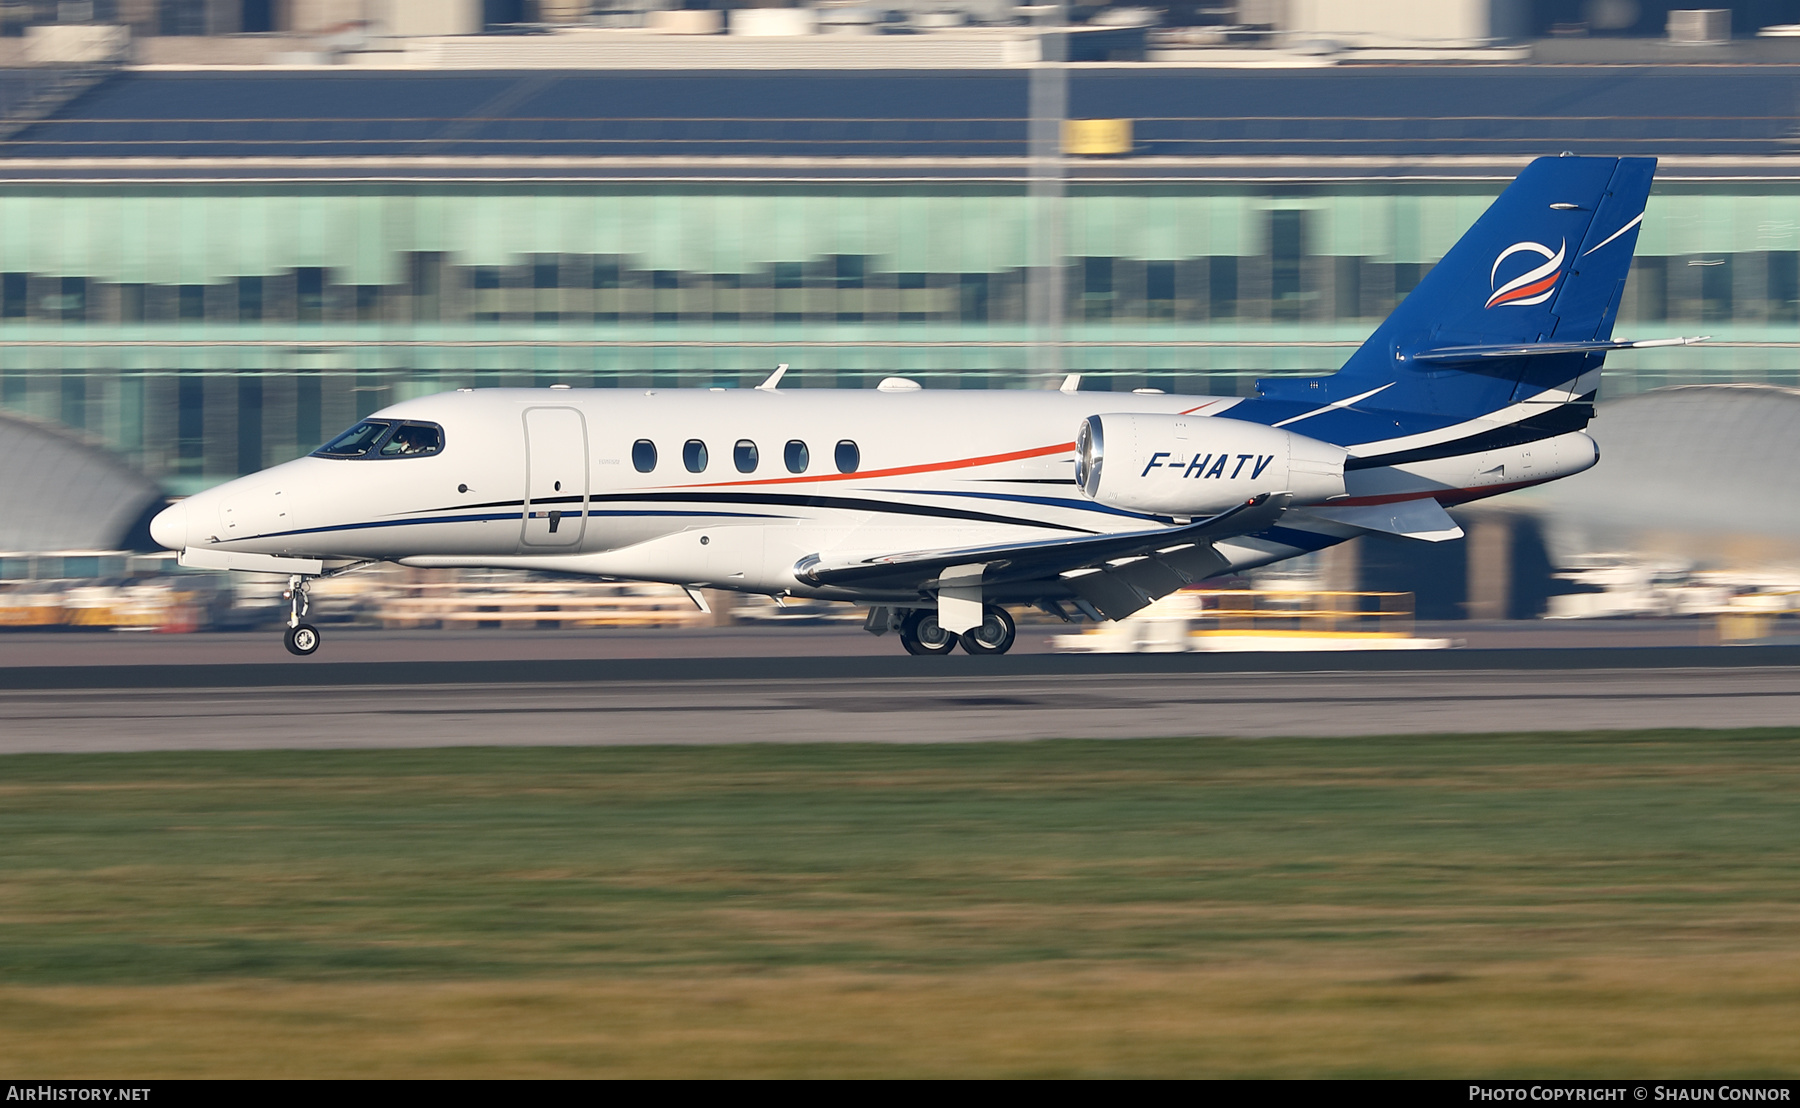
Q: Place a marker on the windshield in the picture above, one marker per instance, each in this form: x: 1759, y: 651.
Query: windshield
x: 412, y: 440
x: 384, y: 438
x: 355, y: 442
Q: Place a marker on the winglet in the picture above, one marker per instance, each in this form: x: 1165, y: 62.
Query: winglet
x: 774, y: 379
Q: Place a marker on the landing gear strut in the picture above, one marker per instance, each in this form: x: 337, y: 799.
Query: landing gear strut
x: 995, y: 635
x: 920, y: 634
x: 300, y: 638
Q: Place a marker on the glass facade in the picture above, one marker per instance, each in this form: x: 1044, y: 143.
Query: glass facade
x: 205, y: 331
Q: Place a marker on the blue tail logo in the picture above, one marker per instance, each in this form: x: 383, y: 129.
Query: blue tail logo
x: 1534, y: 286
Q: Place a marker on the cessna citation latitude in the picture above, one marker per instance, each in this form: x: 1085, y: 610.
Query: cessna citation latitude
x: 939, y: 510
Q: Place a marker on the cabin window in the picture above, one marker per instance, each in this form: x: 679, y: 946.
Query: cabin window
x: 848, y: 457
x: 643, y: 455
x: 355, y: 442
x: 744, y: 456
x: 795, y: 456
x: 693, y: 456
x: 414, y: 440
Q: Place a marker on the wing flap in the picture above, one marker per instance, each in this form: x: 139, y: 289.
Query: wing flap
x: 1177, y: 552
x: 1117, y: 589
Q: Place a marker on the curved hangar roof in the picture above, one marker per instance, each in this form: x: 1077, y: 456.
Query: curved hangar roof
x: 1709, y: 473
x: 61, y: 493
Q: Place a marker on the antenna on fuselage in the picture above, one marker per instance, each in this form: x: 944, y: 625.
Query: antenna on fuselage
x: 1071, y: 383
x: 774, y: 378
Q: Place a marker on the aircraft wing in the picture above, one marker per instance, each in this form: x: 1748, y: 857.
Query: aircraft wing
x: 1116, y: 573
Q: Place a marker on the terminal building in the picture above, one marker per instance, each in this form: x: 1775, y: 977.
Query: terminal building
x: 208, y: 268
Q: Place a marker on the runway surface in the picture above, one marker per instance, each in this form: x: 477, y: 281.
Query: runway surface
x: 895, y: 708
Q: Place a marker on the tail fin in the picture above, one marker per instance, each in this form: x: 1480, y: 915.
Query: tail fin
x: 1547, y: 261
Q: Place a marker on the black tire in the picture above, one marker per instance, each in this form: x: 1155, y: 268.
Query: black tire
x: 920, y: 634
x: 995, y: 635
x: 301, y: 640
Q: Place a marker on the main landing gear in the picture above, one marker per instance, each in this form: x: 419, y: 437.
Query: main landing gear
x: 300, y: 638
x: 920, y: 633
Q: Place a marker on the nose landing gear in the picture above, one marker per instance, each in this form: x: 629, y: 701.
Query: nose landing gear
x: 300, y: 638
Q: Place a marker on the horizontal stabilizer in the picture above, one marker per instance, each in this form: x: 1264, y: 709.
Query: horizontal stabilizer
x: 1532, y: 349
x: 1412, y: 519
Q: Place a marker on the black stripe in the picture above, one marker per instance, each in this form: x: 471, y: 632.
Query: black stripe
x: 809, y: 500
x: 1561, y: 421
x: 801, y: 500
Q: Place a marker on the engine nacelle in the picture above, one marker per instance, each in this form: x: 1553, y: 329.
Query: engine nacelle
x: 1183, y: 465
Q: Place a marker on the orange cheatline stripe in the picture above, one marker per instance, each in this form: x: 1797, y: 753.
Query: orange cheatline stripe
x: 1528, y: 290
x: 1197, y: 407
x: 933, y: 467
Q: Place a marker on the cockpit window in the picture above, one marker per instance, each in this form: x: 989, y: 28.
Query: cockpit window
x: 413, y: 440
x: 383, y: 438
x: 355, y: 442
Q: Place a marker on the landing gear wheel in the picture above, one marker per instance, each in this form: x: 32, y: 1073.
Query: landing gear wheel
x: 920, y: 634
x: 994, y: 636
x: 302, y: 639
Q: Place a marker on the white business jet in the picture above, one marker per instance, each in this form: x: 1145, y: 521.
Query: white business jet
x: 940, y: 510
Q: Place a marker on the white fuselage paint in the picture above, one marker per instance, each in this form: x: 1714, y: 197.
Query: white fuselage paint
x: 983, y: 467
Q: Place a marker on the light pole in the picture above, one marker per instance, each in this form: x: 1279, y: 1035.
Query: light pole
x: 1045, y: 294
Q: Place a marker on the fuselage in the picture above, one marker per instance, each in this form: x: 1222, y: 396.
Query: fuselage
x: 733, y: 488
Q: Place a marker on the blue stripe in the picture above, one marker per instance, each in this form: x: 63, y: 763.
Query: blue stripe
x: 1049, y: 501
x: 485, y: 519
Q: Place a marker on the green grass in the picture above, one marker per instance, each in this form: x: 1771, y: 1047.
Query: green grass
x: 1430, y: 880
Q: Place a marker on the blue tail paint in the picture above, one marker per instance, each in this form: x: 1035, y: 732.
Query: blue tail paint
x: 1547, y: 261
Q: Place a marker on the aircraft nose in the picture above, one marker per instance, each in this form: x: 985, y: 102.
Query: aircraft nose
x: 170, y: 527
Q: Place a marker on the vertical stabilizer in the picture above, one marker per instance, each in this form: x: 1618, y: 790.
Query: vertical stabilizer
x: 1547, y: 260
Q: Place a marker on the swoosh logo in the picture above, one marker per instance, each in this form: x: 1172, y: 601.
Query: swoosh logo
x: 1529, y: 288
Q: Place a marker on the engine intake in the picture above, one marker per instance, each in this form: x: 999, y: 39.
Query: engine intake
x: 1184, y: 465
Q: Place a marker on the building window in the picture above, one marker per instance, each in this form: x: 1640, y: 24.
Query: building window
x: 848, y: 457
x: 795, y: 455
x: 693, y: 456
x: 131, y: 303
x: 249, y: 298
x: 309, y: 294
x: 1287, y: 237
x: 973, y: 305
x: 744, y: 456
x: 1222, y: 280
x: 1159, y: 290
x: 191, y: 302
x: 1096, y: 288
x: 368, y: 303
x: 643, y: 455
x: 69, y: 302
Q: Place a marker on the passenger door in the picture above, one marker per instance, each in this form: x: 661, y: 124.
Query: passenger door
x: 556, y: 477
